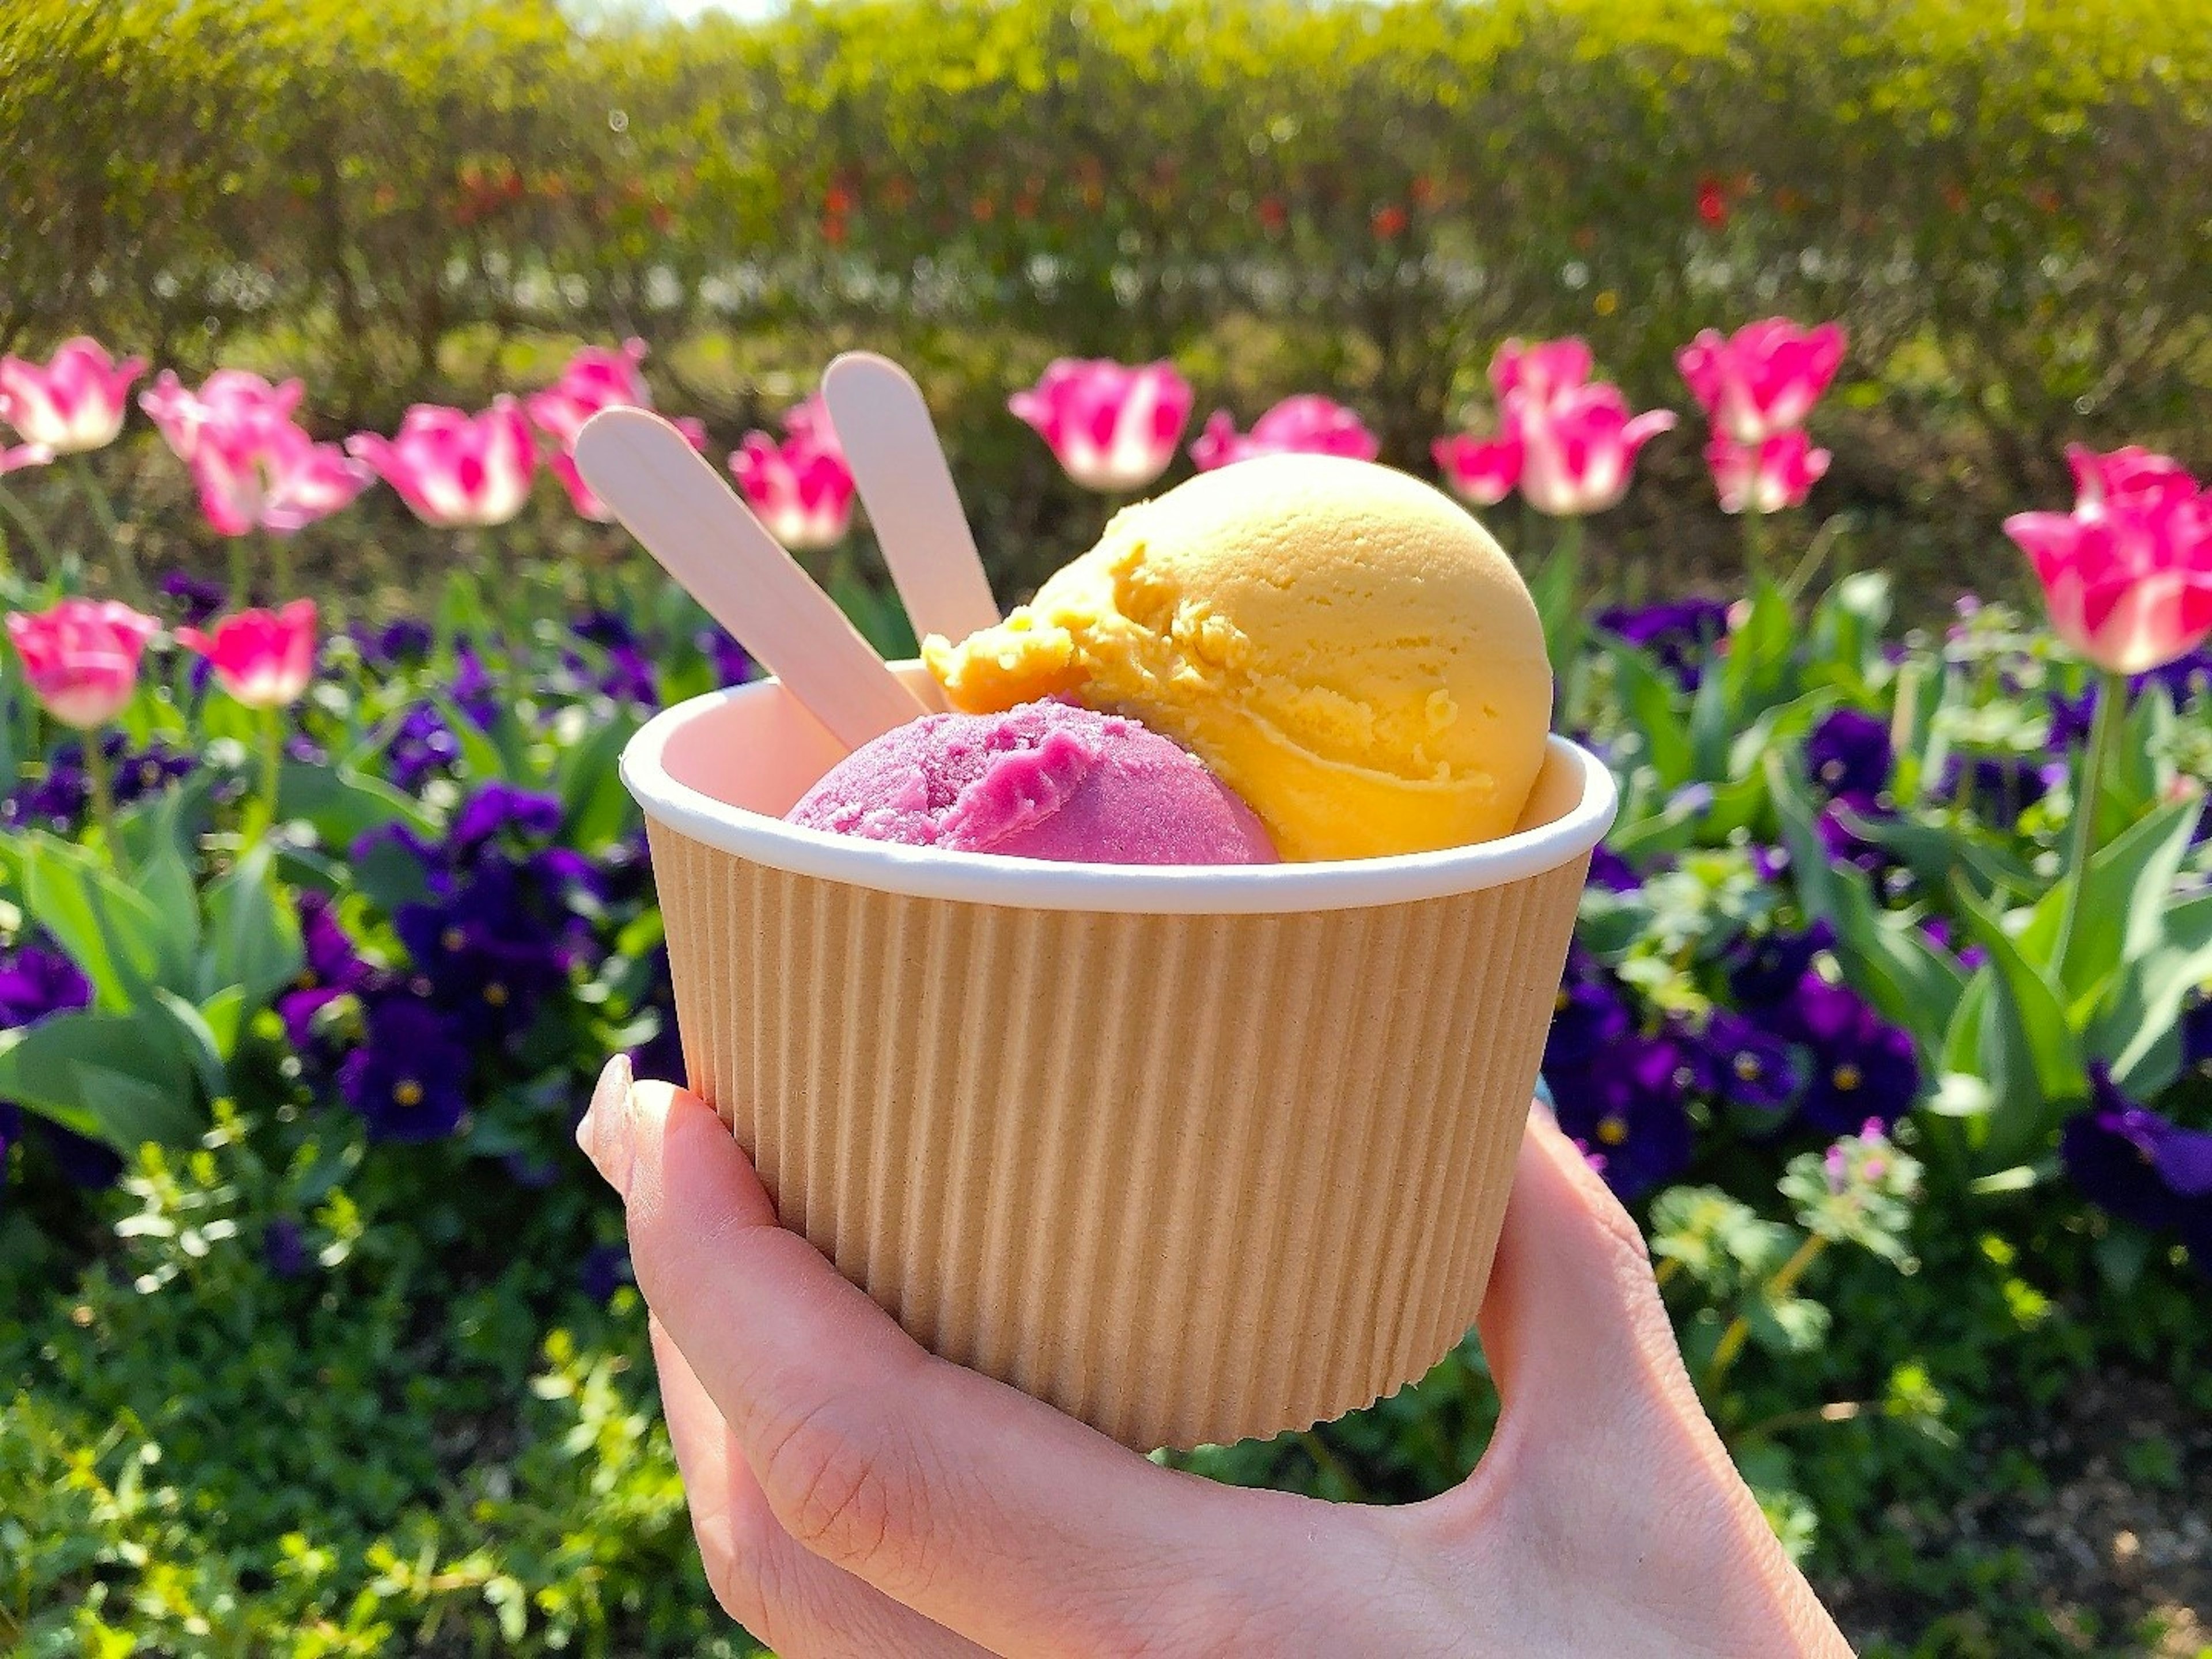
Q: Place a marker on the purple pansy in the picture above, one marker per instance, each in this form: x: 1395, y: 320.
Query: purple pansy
x: 284, y: 1248
x: 492, y: 950
x: 1679, y: 634
x: 408, y: 1079
x: 1748, y: 1065
x: 725, y: 656
x: 1999, y: 788
x: 331, y: 969
x: 198, y: 602
x: 1765, y: 970
x: 1861, y: 1066
x: 1848, y: 756
x: 2142, y: 1168
x: 1631, y: 1109
x: 605, y: 1269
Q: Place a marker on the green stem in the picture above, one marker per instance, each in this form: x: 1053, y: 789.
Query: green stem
x: 32, y: 532
x: 1328, y: 1462
x: 2104, y: 729
x: 125, y: 562
x: 103, y: 800
x: 1730, y: 1346
x: 242, y: 582
x: 272, y: 755
x: 1755, y: 549
x: 280, y: 559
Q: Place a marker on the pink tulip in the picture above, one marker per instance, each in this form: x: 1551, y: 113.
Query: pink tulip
x: 267, y: 474
x: 809, y: 422
x: 264, y: 658
x: 2130, y: 586
x: 1764, y: 477
x: 254, y: 466
x: 1539, y: 373
x: 2131, y: 473
x: 81, y: 657
x: 76, y: 402
x: 1578, y: 453
x: 1308, y: 424
x: 804, y: 495
x: 230, y: 398
x: 1763, y: 380
x: 1482, y: 470
x: 23, y: 455
x: 455, y: 469
x: 595, y: 378
x: 1112, y: 427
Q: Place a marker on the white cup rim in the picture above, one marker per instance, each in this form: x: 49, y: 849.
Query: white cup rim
x: 1039, y: 885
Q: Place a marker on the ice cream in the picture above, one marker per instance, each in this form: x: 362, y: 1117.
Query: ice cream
x: 1343, y: 646
x: 1048, y: 780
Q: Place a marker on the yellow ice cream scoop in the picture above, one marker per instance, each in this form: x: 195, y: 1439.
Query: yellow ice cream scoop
x: 1343, y: 645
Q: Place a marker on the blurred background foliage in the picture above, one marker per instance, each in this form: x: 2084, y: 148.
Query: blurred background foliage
x: 2008, y: 206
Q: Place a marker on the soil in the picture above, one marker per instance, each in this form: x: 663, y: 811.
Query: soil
x: 2117, y: 1553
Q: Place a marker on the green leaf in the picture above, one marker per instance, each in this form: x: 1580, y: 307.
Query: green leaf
x: 595, y: 808
x: 2033, y: 1025
x: 122, y: 1078
x: 342, y: 804
x: 1557, y: 590
x: 253, y: 933
x: 2125, y: 900
x: 480, y: 758
x: 195, y: 1039
x: 110, y: 930
x: 1647, y: 697
x: 2137, y: 1031
x: 1937, y: 855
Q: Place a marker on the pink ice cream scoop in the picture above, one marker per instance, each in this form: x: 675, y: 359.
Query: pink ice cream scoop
x: 1044, y: 780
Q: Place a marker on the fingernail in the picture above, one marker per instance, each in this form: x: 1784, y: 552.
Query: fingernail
x: 603, y: 1135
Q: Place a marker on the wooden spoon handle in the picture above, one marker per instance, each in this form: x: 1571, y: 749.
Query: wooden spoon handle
x: 678, y: 507
x: 892, y: 446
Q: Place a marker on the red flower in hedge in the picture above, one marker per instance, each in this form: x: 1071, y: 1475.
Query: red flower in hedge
x: 1712, y: 203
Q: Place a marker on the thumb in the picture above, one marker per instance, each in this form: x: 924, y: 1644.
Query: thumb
x: 1572, y: 1325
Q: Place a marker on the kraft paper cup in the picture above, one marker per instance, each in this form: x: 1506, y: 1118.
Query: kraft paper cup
x: 1192, y: 1154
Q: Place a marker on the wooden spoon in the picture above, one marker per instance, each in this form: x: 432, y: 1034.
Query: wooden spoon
x: 686, y: 515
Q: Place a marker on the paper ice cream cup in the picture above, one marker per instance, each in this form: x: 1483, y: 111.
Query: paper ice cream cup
x: 1193, y: 1154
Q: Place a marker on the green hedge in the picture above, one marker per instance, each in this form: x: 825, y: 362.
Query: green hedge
x: 2007, y: 205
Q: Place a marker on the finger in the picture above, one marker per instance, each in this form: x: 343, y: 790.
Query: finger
x: 1572, y: 1318
x: 1600, y: 1430
x: 992, y: 1514
x: 796, y: 1602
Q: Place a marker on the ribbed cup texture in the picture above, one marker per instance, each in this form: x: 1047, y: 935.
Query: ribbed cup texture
x: 1189, y: 1178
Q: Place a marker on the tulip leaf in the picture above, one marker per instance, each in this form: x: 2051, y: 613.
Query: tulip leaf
x: 1847, y: 631
x: 2125, y: 899
x: 2029, y: 1021
x: 1647, y: 697
x: 1757, y: 668
x: 342, y: 804
x: 1557, y: 589
x: 2137, y: 1032
x: 108, y: 928
x: 122, y: 1078
x: 595, y: 807
x: 1936, y: 854
x: 254, y: 934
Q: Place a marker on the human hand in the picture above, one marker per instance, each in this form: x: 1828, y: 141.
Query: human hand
x: 854, y: 1495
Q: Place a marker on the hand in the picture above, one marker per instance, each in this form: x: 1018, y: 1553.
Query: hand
x: 854, y: 1496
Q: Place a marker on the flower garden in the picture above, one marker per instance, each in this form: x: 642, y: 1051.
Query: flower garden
x: 1890, y: 1011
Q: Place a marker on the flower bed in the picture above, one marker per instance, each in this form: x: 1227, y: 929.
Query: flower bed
x: 1887, y: 1012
